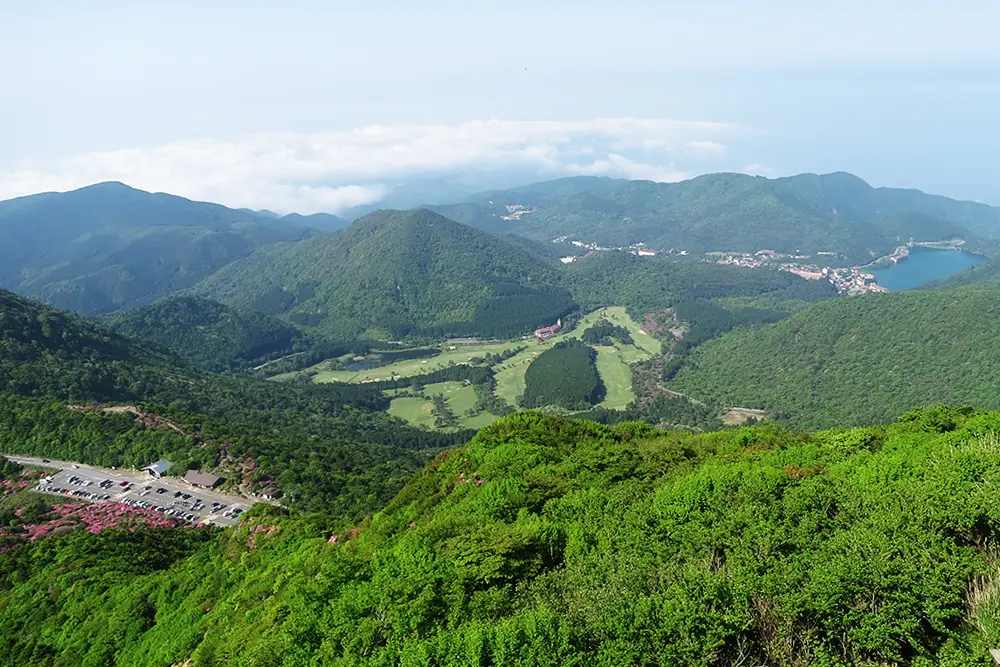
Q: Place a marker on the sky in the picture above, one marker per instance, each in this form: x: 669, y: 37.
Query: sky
x: 323, y: 106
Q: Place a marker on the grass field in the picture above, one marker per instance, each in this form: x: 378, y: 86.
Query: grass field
x: 612, y: 363
x: 617, y: 378
x: 460, y: 355
x: 460, y: 398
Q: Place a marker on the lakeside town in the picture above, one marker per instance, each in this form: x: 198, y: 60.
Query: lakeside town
x: 847, y: 280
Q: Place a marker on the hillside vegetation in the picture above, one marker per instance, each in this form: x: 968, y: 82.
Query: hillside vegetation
x: 396, y: 273
x: 329, y: 448
x: 808, y: 213
x: 555, y: 542
x: 108, y: 246
x: 858, y: 360
x: 565, y: 375
x: 212, y: 335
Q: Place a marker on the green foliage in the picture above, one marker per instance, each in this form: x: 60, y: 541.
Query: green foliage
x: 704, y: 321
x: 666, y: 410
x: 214, y: 336
x: 329, y: 447
x: 605, y: 333
x: 808, y: 213
x: 549, y: 541
x: 565, y: 375
x: 400, y: 273
x: 9, y: 469
x: 645, y: 284
x: 857, y: 360
x: 108, y: 246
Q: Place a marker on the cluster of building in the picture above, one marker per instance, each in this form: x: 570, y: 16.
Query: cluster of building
x: 515, y: 211
x: 847, y: 280
x: 197, y: 478
x: 638, y: 249
x: 548, y: 332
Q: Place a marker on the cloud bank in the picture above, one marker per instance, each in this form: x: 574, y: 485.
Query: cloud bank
x: 334, y: 171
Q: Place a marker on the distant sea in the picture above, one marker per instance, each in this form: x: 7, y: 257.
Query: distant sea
x: 924, y: 265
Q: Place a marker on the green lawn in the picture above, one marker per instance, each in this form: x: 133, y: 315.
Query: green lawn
x: 612, y: 364
x: 459, y: 396
x: 461, y: 354
x: 617, y: 377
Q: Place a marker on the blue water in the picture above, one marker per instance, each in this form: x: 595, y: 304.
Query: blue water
x: 924, y: 265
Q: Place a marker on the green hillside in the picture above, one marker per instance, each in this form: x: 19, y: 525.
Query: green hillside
x: 808, y: 213
x: 330, y: 448
x: 857, y: 360
x: 109, y: 246
x: 396, y: 273
x: 555, y: 542
x: 214, y: 336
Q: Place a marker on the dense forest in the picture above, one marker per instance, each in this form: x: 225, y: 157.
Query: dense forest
x: 858, y: 360
x: 396, y: 273
x: 644, y: 284
x: 214, y: 336
x: 565, y: 375
x: 549, y: 541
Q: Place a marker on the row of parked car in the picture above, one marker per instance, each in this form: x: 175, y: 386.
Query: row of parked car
x: 169, y: 511
x: 78, y: 493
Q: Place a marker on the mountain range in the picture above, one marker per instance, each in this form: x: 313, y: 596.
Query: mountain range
x: 394, y: 273
x: 539, y: 540
x: 109, y: 246
x: 807, y: 213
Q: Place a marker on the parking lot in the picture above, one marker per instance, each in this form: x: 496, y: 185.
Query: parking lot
x: 171, y: 497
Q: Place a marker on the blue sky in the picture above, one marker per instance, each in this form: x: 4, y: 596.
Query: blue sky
x: 324, y: 105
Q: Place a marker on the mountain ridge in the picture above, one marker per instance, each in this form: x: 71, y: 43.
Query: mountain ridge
x: 837, y: 212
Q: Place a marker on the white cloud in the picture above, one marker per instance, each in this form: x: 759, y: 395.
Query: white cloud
x: 333, y: 171
x: 759, y: 170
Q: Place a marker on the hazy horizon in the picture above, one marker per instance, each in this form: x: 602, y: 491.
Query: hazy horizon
x: 328, y: 106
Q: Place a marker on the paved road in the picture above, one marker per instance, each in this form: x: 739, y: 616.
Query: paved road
x: 140, y: 487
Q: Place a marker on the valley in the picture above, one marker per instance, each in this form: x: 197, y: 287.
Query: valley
x: 466, y: 451
x: 507, y: 361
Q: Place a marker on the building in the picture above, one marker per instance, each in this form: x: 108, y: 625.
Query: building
x: 548, y: 332
x: 645, y: 252
x: 202, y: 479
x: 158, y: 469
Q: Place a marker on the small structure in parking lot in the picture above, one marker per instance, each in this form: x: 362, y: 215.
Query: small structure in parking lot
x: 203, y: 480
x: 158, y: 469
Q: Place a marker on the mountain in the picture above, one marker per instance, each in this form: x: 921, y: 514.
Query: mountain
x: 807, y: 213
x: 395, y: 273
x: 109, y: 246
x: 857, y: 360
x: 324, y: 222
x: 214, y: 336
x: 330, y: 448
x: 547, y: 541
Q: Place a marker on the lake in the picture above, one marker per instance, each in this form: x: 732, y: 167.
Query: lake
x: 924, y: 265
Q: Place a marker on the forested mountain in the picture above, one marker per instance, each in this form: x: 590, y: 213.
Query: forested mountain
x: 329, y: 448
x: 214, y: 336
x: 554, y: 542
x: 109, y: 246
x: 859, y: 360
x: 809, y: 213
x: 395, y: 273
x: 644, y: 284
